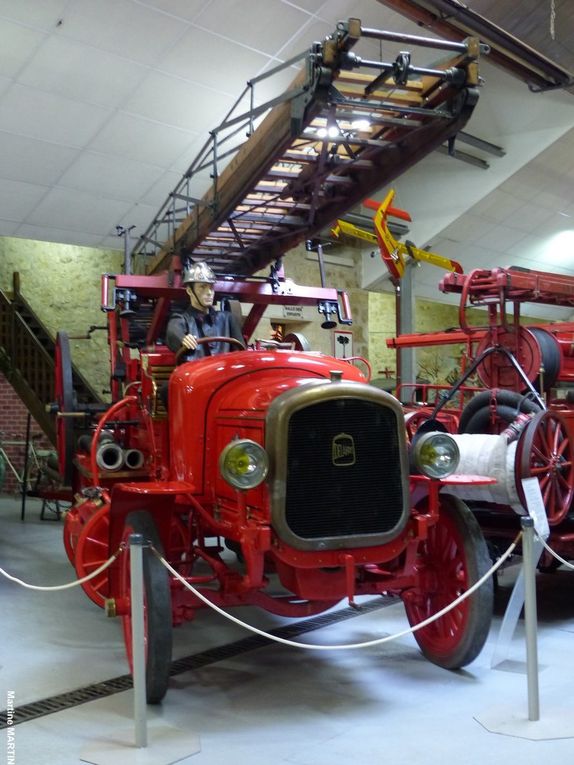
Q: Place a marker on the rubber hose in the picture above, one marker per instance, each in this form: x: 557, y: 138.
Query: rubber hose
x: 480, y: 421
x: 509, y: 399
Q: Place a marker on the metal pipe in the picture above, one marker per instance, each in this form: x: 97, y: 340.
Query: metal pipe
x: 138, y: 638
x: 427, y: 42
x: 133, y: 459
x: 529, y: 567
x: 442, y: 74
x: 109, y: 456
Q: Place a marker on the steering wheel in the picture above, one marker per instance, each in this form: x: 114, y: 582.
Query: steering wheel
x: 203, y: 340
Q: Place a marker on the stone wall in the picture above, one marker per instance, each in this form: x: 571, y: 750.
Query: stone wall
x: 62, y: 284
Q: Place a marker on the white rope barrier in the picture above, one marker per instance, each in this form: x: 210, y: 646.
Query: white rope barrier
x: 196, y: 592
x: 67, y: 586
x: 349, y: 646
x: 554, y: 553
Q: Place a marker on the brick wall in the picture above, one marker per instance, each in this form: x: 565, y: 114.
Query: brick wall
x: 13, y: 417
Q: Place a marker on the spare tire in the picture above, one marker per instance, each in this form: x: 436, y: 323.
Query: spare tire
x: 551, y: 357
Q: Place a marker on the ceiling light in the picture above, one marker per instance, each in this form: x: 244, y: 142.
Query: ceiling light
x: 328, y: 132
x: 559, y: 247
x: 361, y: 125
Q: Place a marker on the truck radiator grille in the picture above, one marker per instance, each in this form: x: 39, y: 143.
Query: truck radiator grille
x: 344, y: 474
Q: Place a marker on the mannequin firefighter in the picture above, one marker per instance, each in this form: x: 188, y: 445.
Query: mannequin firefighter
x: 200, y: 319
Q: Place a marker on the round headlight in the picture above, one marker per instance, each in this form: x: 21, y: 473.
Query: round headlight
x: 435, y: 455
x: 244, y: 463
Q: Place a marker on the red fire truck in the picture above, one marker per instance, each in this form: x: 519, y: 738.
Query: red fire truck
x: 287, y: 457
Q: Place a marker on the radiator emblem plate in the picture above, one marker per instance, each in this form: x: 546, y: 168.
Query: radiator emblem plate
x: 343, y: 450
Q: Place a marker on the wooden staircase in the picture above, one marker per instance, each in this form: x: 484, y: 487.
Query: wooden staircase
x: 27, y: 353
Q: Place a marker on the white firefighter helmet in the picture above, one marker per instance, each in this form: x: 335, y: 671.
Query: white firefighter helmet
x: 199, y: 272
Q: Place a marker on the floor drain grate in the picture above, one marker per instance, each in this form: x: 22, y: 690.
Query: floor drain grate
x: 63, y: 701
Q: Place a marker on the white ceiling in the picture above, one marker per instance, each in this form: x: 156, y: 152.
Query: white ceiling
x: 519, y: 212
x: 104, y: 104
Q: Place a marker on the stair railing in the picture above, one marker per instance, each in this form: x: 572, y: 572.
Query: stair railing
x: 26, y: 364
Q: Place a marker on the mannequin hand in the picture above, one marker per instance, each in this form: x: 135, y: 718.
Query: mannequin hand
x: 189, y: 341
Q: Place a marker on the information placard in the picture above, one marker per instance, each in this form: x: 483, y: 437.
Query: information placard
x: 535, y: 506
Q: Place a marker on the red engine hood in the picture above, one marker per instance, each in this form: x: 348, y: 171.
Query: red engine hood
x: 239, y: 384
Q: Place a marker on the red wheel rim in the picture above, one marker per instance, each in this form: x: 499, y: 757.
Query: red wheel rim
x: 92, y: 551
x: 497, y: 371
x: 442, y: 573
x: 413, y: 420
x: 545, y: 453
x: 72, y: 529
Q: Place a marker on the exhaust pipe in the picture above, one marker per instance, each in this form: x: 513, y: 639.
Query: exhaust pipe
x: 134, y: 459
x: 109, y: 456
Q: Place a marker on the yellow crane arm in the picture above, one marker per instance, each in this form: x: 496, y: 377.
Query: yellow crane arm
x: 393, y: 253
x: 431, y: 257
x: 349, y: 229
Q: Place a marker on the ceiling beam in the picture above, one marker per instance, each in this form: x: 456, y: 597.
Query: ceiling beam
x: 454, y: 19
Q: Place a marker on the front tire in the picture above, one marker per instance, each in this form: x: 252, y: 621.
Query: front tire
x: 157, y: 608
x: 449, y: 562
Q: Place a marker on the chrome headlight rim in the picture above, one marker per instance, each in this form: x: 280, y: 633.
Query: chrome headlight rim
x: 428, y: 454
x: 242, y: 449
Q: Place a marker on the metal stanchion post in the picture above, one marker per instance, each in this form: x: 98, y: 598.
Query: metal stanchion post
x: 168, y: 744
x: 530, y: 618
x: 138, y: 639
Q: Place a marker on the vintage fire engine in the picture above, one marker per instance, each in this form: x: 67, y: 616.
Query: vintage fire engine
x: 288, y: 458
x: 525, y: 376
x: 285, y: 456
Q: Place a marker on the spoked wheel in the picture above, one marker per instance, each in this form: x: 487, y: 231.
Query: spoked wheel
x: 449, y: 562
x: 545, y: 453
x: 71, y: 533
x: 157, y: 608
x: 413, y: 421
x: 91, y: 551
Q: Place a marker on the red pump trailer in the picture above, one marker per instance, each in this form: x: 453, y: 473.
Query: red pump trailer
x: 526, y: 375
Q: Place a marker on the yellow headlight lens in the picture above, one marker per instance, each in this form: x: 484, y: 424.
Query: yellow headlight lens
x: 244, y: 463
x: 436, y: 455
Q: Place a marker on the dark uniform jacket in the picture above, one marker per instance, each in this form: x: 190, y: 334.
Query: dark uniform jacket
x: 212, y: 324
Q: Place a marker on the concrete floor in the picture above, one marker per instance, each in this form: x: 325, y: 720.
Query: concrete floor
x: 275, y: 704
